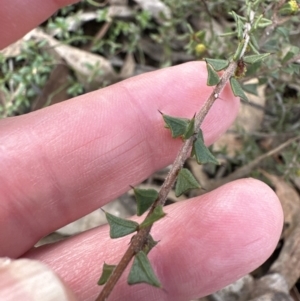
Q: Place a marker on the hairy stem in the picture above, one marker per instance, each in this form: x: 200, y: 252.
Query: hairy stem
x: 139, y: 240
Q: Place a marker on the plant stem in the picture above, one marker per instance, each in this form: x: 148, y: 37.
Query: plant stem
x: 138, y: 241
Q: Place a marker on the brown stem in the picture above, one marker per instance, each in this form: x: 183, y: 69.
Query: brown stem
x: 139, y: 240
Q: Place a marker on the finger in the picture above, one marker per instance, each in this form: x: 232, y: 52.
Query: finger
x: 29, y: 280
x: 65, y: 161
x: 204, y: 244
x: 17, y: 17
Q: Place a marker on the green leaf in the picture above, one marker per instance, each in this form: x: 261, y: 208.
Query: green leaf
x: 106, y: 272
x: 291, y: 53
x: 251, y: 88
x: 177, y: 126
x: 240, y: 28
x: 142, y: 272
x: 190, y: 129
x: 213, y: 77
x: 218, y: 65
x: 264, y: 22
x: 251, y: 59
x: 185, y: 182
x: 287, y: 57
x: 234, y: 15
x: 200, y: 35
x: 157, y: 214
x: 201, y: 152
x: 239, y: 50
x: 144, y: 199
x: 150, y: 244
x: 257, y: 21
x: 253, y: 47
x: 120, y: 227
x: 291, y: 69
x: 237, y: 89
x: 284, y: 32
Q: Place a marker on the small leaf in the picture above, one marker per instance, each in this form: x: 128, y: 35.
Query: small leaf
x: 185, y: 182
x: 120, y: 227
x: 106, y: 272
x: 213, y: 77
x: 201, y: 152
x: 240, y: 28
x: 288, y: 56
x: 150, y: 244
x: 257, y: 21
x: 291, y: 53
x: 142, y: 272
x: 177, y: 126
x: 291, y: 69
x: 144, y: 199
x: 251, y: 59
x: 190, y: 129
x: 234, y: 15
x: 239, y: 50
x: 218, y: 65
x: 264, y: 22
x: 157, y: 214
x: 251, y: 88
x: 255, y: 43
x: 237, y: 89
x: 253, y: 47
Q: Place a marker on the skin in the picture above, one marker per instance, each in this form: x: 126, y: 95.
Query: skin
x: 62, y: 162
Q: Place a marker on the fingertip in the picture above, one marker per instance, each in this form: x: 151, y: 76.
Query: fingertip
x: 17, y: 17
x: 31, y: 280
x: 217, y: 238
x: 257, y: 197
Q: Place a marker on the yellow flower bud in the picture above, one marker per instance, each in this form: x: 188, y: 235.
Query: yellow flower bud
x: 294, y: 6
x: 200, y: 49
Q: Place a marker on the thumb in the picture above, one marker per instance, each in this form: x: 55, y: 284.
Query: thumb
x: 30, y: 280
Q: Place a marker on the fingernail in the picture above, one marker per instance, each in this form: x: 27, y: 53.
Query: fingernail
x: 30, y: 280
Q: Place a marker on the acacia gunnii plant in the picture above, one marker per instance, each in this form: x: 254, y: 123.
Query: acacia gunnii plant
x: 189, y: 130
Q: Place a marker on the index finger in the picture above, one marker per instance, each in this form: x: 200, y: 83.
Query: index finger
x: 62, y: 162
x: 17, y: 17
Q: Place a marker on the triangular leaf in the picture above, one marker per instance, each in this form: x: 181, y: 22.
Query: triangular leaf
x: 201, y: 152
x: 177, y: 126
x: 287, y: 57
x: 142, y: 272
x: 213, y: 77
x: 251, y: 59
x: 237, y: 89
x: 251, y: 88
x: 218, y: 65
x: 106, y: 272
x: 120, y: 227
x: 190, y: 129
x: 150, y: 244
x: 144, y: 199
x: 157, y: 214
x: 291, y: 53
x: 185, y: 182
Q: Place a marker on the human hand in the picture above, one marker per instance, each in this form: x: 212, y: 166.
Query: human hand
x: 62, y: 162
